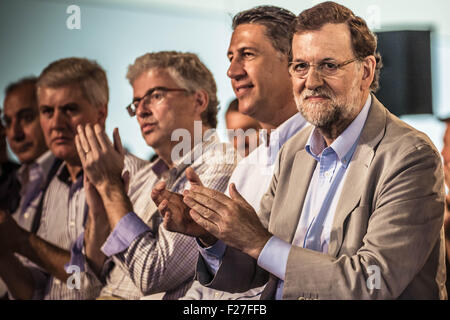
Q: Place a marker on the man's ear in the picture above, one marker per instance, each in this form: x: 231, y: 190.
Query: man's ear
x: 201, y: 100
x: 102, y: 113
x: 369, y: 64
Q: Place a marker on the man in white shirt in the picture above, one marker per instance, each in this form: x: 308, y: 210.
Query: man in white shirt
x: 258, y: 55
x: 356, y: 205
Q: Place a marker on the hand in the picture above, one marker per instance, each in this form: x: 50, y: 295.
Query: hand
x: 233, y: 220
x: 102, y: 161
x: 176, y: 212
x: 103, y: 164
x: 93, y: 200
x: 10, y: 234
x: 447, y: 174
x: 447, y: 217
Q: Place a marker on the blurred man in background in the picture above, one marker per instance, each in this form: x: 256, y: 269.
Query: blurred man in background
x: 242, y: 130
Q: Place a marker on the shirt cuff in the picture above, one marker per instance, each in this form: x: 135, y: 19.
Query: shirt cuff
x: 273, y: 257
x: 212, y: 255
x: 126, y: 231
x: 76, y: 255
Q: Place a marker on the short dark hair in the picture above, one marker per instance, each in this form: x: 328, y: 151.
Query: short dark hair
x: 32, y: 80
x: 364, y: 41
x: 233, y: 106
x: 276, y: 20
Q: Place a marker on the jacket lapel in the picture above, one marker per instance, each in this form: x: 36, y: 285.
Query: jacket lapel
x: 371, y: 135
x: 300, y: 176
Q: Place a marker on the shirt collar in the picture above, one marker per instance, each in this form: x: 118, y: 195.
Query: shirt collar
x: 281, y: 134
x: 64, y: 176
x: 42, y: 164
x: 344, y: 145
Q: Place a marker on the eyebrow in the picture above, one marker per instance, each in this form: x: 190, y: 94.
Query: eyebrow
x: 26, y: 111
x: 323, y: 60
x: 240, y: 50
x: 67, y: 105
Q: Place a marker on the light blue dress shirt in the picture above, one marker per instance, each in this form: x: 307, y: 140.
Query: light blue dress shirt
x: 314, y: 228
x: 253, y: 174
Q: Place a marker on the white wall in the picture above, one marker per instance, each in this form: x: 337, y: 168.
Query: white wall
x: 114, y: 32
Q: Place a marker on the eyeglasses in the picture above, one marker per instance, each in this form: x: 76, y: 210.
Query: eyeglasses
x: 152, y: 97
x: 300, y: 69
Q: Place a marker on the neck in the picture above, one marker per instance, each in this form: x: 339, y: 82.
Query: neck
x: 74, y: 169
x: 165, y: 151
x: 279, y: 115
x: 332, y: 131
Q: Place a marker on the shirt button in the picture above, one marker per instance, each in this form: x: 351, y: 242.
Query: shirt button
x: 26, y: 215
x: 72, y: 224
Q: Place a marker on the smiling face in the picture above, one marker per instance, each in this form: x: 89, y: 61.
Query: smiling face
x: 177, y: 110
x: 334, y: 100
x: 258, y: 72
x: 61, y: 111
x: 23, y: 129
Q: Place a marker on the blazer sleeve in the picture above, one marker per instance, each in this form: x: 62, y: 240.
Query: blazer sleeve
x: 238, y: 272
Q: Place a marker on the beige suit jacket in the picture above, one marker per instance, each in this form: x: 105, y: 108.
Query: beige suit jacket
x: 389, y: 219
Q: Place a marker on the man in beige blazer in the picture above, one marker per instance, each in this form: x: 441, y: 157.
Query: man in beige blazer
x: 379, y: 234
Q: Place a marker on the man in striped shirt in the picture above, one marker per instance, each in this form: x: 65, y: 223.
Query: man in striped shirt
x: 26, y: 140
x: 174, y: 97
x: 70, y: 92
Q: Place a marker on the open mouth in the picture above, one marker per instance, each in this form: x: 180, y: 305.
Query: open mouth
x: 243, y: 89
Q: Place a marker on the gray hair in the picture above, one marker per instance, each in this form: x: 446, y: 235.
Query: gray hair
x: 88, y: 74
x: 276, y: 20
x: 187, y: 70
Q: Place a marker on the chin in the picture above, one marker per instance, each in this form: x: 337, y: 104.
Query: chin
x: 64, y: 153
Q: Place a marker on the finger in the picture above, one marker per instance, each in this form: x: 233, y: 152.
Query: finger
x: 206, y: 224
x: 162, y: 208
x: 210, y: 193
x: 83, y: 140
x: 206, y: 212
x: 235, y: 195
x: 118, y: 142
x: 193, y: 177
x: 80, y: 150
x: 158, y: 195
x: 160, y: 186
x: 126, y: 180
x: 102, y: 138
x: 92, y: 140
x: 206, y: 201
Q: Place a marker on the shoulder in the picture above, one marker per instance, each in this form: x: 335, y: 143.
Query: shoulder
x: 134, y: 164
x: 216, y: 154
x: 401, y: 139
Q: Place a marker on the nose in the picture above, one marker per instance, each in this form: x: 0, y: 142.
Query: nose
x: 236, y: 70
x: 17, y: 133
x: 143, y: 110
x: 313, y: 79
x: 58, y: 120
